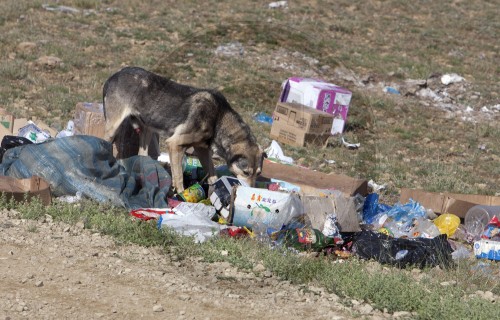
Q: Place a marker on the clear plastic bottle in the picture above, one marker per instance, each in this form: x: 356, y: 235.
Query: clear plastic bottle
x: 478, y: 217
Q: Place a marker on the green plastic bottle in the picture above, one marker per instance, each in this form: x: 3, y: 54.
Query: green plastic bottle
x: 305, y: 239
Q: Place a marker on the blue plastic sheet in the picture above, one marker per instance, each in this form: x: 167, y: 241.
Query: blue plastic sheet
x: 86, y: 164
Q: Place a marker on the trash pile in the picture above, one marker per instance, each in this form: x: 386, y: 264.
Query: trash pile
x: 289, y: 207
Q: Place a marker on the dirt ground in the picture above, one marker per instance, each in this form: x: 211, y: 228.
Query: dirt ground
x: 51, y: 270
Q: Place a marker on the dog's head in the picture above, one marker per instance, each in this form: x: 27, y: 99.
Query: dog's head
x: 246, y: 164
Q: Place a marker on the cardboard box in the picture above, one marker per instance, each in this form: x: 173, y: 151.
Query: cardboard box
x: 457, y: 204
x: 320, y: 95
x: 89, y: 119
x: 33, y: 187
x: 313, y: 182
x: 6, y: 120
x: 297, y: 125
x: 317, y: 209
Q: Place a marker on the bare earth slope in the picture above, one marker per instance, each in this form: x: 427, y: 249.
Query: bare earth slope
x: 55, y: 271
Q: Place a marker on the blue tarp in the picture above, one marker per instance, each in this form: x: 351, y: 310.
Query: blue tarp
x: 86, y: 164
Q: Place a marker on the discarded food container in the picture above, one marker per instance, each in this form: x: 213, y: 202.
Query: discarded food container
x: 194, y: 193
x: 487, y: 249
x: 221, y: 197
x: 307, y: 239
x: 478, y: 217
x: 260, y: 206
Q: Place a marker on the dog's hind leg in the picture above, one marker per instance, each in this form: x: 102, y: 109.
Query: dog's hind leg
x: 114, y: 116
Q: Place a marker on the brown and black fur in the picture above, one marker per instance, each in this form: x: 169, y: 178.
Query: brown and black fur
x: 187, y: 117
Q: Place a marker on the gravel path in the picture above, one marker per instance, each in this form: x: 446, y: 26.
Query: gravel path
x: 51, y: 270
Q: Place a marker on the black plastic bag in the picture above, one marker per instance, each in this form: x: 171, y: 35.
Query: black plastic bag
x: 417, y: 252
x: 9, y: 142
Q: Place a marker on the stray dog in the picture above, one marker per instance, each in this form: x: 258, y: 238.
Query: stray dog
x: 187, y: 116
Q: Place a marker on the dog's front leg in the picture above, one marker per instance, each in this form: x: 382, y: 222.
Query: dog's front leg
x: 205, y: 156
x: 176, y: 152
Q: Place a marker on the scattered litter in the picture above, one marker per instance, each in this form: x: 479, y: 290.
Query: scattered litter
x: 274, y: 151
x: 482, y: 147
x: 376, y: 187
x: 350, y: 145
x: 68, y: 132
x: 194, y: 223
x: 263, y: 118
x: 278, y: 4
x: 429, y: 93
x: 71, y: 199
x: 32, y: 132
x: 330, y: 161
x: 64, y: 9
x: 469, y: 109
x: 391, y: 90
x: 447, y: 79
x: 232, y: 49
x: 164, y: 157
x: 149, y: 213
x: 461, y: 253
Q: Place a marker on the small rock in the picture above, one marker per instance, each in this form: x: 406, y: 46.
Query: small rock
x: 401, y: 314
x: 26, y: 46
x: 184, y: 297
x: 488, y: 295
x: 158, y: 308
x: 448, y: 283
x: 224, y: 253
x: 39, y: 284
x: 365, y: 309
x: 49, y: 61
x: 259, y: 268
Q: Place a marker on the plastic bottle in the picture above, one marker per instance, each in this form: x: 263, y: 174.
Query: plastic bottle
x: 478, y: 217
x: 307, y: 239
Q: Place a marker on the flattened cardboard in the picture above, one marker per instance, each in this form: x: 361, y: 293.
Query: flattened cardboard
x: 455, y: 203
x: 18, y: 188
x: 312, y: 182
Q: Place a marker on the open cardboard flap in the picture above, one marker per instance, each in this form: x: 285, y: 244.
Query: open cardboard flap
x: 455, y: 203
x: 313, y: 182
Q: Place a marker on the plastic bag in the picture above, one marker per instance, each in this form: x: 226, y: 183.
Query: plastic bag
x: 422, y: 252
x: 447, y: 223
